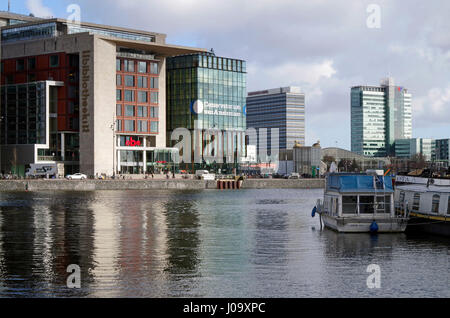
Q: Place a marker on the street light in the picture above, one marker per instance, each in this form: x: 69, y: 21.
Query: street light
x: 113, y: 128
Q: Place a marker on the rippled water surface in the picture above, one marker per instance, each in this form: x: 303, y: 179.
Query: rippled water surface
x: 248, y: 243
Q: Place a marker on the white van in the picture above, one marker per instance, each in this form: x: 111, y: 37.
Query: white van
x: 200, y: 173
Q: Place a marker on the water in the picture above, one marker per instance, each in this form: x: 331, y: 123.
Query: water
x: 248, y: 243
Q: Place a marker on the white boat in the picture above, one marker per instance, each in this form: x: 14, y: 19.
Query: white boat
x: 359, y: 203
x: 427, y: 201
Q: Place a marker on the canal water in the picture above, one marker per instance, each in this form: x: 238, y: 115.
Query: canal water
x: 248, y: 243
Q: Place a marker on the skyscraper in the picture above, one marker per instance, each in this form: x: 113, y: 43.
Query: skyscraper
x: 282, y: 108
x: 379, y: 116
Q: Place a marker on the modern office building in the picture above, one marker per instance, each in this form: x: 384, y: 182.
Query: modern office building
x: 442, y: 151
x: 379, y: 116
x: 407, y: 148
x: 206, y: 94
x: 90, y: 96
x: 10, y: 18
x: 279, y: 108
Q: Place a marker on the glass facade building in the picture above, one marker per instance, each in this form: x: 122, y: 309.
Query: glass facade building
x: 379, y: 116
x: 206, y: 92
x: 407, y: 148
x: 280, y: 108
x: 442, y: 151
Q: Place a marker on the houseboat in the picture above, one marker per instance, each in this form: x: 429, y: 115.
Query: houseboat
x: 428, y: 203
x: 358, y: 203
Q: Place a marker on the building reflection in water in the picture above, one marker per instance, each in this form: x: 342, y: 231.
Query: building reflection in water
x: 270, y: 250
x: 41, y: 236
x: 17, y: 259
x: 182, y: 219
x: 141, y: 252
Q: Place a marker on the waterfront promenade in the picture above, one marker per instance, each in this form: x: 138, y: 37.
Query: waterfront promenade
x: 163, y: 184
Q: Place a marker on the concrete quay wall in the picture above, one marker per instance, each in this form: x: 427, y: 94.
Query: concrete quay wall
x: 93, y: 185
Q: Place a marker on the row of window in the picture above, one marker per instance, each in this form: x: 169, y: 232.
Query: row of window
x: 132, y: 66
x: 30, y: 63
x: 434, y: 205
x: 141, y: 81
x: 137, y: 111
x: 137, y: 125
x: 142, y: 96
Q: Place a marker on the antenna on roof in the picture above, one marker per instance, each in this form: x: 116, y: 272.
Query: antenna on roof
x: 9, y: 5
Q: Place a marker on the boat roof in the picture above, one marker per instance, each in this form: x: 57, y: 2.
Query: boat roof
x: 359, y: 183
x: 423, y: 188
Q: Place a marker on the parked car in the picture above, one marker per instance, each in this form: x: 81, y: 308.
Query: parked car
x: 294, y: 175
x: 77, y: 176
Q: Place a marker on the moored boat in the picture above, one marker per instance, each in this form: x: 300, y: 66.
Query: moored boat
x: 428, y: 203
x: 358, y: 203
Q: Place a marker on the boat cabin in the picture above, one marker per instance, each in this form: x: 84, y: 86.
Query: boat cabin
x: 358, y: 195
x: 430, y: 200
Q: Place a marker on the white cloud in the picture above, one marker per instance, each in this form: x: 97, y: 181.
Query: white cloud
x: 307, y: 75
x: 434, y: 106
x: 37, y: 8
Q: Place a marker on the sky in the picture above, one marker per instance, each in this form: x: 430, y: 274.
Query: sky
x: 323, y: 46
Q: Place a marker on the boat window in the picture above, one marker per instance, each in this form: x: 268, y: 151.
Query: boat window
x: 448, y: 207
x: 349, y: 204
x: 402, y: 196
x: 383, y: 204
x: 366, y: 204
x: 416, y: 202
x: 435, y: 205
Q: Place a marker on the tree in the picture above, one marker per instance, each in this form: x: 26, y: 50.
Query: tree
x: 328, y: 160
x: 344, y: 165
x: 354, y: 166
x: 418, y: 161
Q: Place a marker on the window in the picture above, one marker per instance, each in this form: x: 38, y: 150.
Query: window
x: 142, y: 111
x: 402, y: 197
x: 142, y: 67
x: 129, y: 125
x: 349, y: 204
x: 142, y: 82
x: 142, y: 97
x: 54, y: 61
x: 154, y: 127
x: 448, y: 207
x: 118, y: 94
x: 119, y: 110
x: 366, y: 204
x: 435, y: 203
x: 154, y: 97
x: 154, y: 112
x: 129, y: 111
x: 129, y: 66
x: 416, y: 202
x: 142, y: 126
x: 118, y: 65
x: 119, y: 80
x: 32, y: 77
x: 129, y: 80
x: 154, y: 68
x: 129, y: 96
x: 20, y: 65
x: 119, y: 125
x: 154, y: 82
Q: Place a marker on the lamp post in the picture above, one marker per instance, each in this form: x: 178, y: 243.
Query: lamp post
x: 113, y: 128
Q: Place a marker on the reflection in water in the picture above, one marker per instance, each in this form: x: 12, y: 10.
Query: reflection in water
x: 17, y: 256
x: 182, y: 236
x: 248, y: 243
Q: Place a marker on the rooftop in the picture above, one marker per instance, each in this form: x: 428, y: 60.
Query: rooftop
x: 280, y: 90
